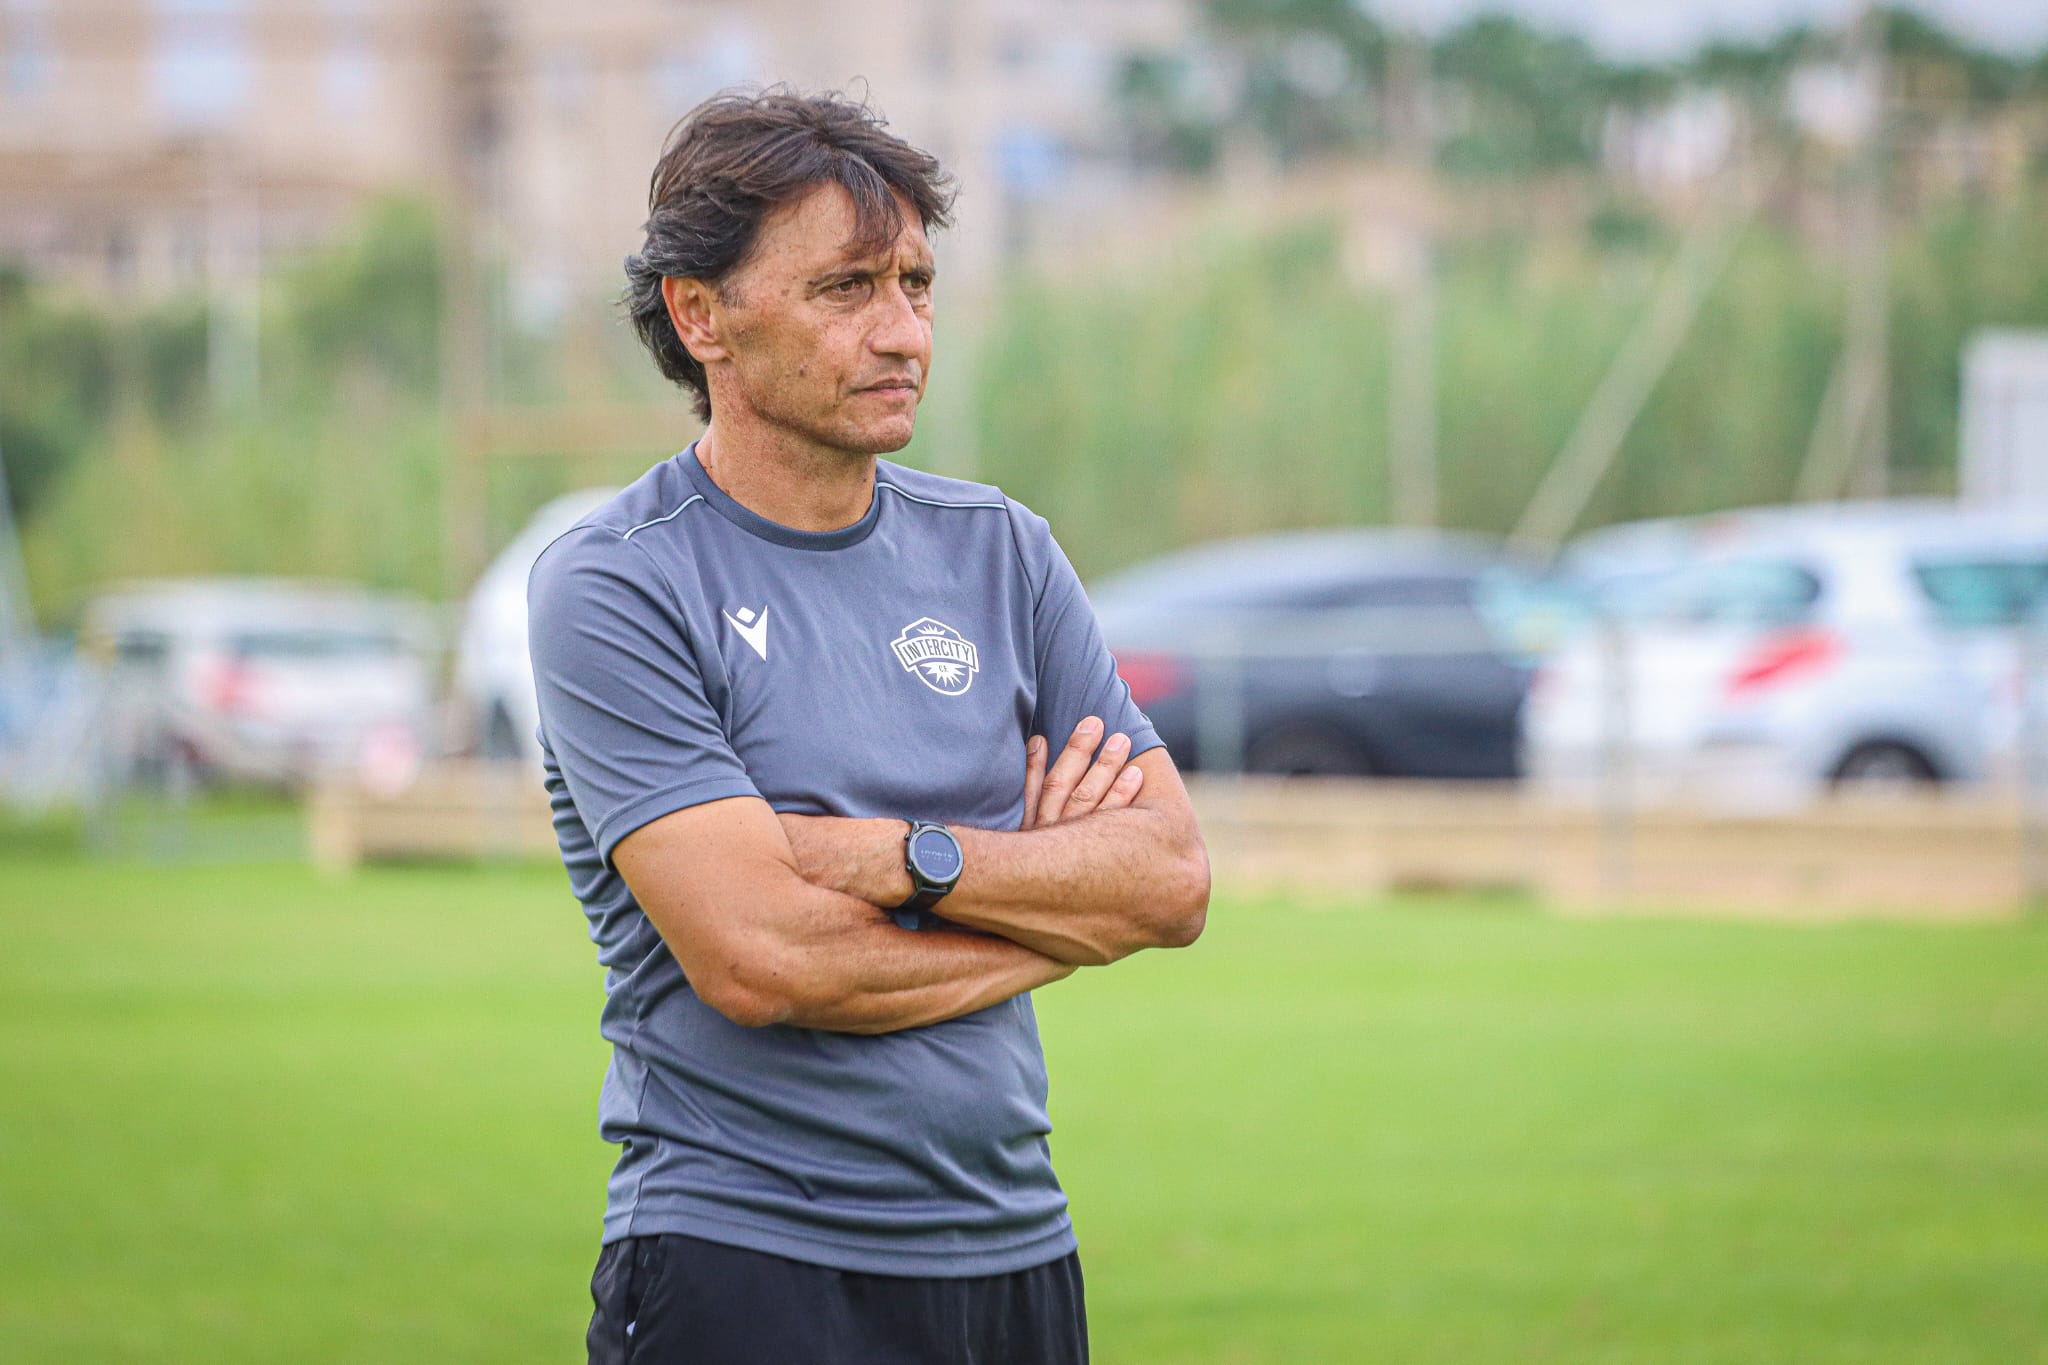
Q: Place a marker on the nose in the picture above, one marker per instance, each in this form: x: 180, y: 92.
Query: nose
x: 900, y: 330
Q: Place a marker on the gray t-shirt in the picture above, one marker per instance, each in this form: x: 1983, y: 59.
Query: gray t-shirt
x: 686, y: 649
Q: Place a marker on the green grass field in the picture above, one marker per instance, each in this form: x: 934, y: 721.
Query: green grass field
x: 250, y: 1115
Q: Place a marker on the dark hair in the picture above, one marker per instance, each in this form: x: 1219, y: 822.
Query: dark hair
x: 735, y: 158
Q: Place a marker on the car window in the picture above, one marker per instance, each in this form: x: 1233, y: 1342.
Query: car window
x: 1281, y: 587
x: 1406, y: 591
x: 1405, y: 612
x: 1241, y: 593
x: 298, y: 646
x: 1735, y: 593
x: 1982, y: 592
x: 141, y: 649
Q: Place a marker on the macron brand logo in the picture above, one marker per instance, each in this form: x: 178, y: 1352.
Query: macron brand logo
x: 753, y: 628
x: 943, y: 659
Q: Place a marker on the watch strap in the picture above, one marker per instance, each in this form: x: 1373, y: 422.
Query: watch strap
x: 909, y: 915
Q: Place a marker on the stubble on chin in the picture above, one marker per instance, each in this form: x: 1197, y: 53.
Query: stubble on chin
x: 852, y: 442
x: 881, y: 443
x: 862, y: 439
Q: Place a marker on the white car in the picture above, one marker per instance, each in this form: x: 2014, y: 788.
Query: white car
x: 493, y: 673
x: 267, y: 680
x: 1757, y: 659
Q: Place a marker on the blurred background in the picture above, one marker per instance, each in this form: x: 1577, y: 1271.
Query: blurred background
x: 1589, y: 457
x: 326, y: 291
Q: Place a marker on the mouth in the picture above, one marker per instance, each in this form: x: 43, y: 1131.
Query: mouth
x: 892, y: 387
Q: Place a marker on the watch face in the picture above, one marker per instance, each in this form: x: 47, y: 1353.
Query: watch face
x: 936, y: 855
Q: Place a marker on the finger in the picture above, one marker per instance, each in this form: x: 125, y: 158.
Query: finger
x: 1095, y: 783
x: 1034, y: 778
x: 1124, y: 790
x: 1068, y: 769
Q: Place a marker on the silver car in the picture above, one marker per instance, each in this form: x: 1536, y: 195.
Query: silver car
x: 493, y: 674
x: 267, y: 680
x: 1758, y: 658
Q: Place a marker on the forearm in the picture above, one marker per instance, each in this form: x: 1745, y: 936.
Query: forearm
x: 863, y: 858
x: 816, y: 958
x: 900, y: 980
x: 1086, y: 892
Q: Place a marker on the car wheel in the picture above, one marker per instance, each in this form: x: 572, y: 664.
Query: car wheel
x: 1884, y: 764
x: 1306, y: 751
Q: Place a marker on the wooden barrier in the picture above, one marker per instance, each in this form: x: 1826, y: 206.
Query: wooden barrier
x: 1944, y: 855
x: 457, y: 809
x: 1938, y: 855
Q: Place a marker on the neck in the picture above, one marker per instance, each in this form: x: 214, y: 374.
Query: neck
x: 790, y: 481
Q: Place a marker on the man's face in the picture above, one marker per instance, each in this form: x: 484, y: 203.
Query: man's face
x: 825, y: 342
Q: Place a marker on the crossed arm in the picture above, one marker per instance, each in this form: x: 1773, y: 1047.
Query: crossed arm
x: 777, y: 919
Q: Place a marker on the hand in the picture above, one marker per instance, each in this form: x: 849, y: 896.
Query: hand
x: 1073, y: 786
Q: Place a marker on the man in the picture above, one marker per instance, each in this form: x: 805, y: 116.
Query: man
x: 797, y: 707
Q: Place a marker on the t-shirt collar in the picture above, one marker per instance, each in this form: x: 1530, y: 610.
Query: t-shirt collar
x: 754, y: 524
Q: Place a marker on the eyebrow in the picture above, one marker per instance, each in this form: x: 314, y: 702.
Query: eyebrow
x: 868, y: 267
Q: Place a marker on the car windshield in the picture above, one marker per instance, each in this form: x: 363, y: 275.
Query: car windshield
x: 1166, y: 589
x: 141, y: 649
x: 304, y: 646
x: 1731, y: 593
x: 1982, y: 592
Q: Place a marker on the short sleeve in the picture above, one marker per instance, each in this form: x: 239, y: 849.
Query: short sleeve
x: 1076, y: 675
x: 623, y: 705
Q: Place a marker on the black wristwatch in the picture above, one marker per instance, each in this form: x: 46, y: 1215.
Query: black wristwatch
x: 932, y: 857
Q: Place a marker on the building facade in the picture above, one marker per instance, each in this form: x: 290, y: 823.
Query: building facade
x: 149, y: 145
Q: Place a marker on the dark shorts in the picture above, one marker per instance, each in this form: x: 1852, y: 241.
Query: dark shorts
x: 671, y: 1299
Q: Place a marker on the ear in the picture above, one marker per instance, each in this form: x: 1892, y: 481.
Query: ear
x: 693, y: 311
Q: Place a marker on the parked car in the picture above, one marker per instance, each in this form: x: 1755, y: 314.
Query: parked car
x: 265, y: 680
x: 1379, y: 652
x: 1760, y: 658
x: 493, y: 674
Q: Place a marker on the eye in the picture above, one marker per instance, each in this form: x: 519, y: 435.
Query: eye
x: 850, y: 287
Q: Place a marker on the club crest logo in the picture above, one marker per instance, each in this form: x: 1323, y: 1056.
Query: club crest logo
x: 943, y: 659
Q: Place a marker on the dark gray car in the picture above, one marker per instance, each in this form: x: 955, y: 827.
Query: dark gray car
x: 1378, y: 652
